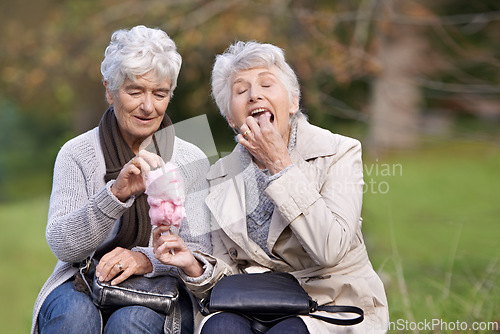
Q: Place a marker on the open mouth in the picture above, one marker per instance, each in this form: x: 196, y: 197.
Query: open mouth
x: 257, y: 113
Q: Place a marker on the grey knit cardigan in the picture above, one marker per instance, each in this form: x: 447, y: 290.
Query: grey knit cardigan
x: 83, y: 213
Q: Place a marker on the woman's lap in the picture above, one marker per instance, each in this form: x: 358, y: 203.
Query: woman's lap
x: 134, y: 319
x: 226, y: 322
x: 66, y: 310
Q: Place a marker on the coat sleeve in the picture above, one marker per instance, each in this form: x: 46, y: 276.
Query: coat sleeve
x: 219, y: 261
x: 321, y: 201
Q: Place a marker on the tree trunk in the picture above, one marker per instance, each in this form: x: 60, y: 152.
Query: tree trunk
x: 395, y: 100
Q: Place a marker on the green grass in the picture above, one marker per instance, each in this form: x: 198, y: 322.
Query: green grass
x: 431, y: 226
x: 26, y: 261
x: 433, y: 234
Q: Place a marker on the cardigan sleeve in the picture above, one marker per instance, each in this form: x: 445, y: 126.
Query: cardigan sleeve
x: 81, y: 214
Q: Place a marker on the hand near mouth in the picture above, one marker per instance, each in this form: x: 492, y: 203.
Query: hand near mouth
x: 265, y: 143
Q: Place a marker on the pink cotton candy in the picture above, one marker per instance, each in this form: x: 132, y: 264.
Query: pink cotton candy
x: 165, y: 212
x: 165, y: 190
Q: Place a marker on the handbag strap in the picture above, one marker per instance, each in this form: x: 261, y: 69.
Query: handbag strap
x: 260, y: 325
x: 340, y: 309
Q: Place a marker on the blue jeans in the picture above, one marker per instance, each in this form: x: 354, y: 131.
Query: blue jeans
x: 68, y: 311
x: 226, y: 322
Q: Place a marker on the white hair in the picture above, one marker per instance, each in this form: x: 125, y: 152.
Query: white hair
x: 137, y: 51
x: 242, y: 56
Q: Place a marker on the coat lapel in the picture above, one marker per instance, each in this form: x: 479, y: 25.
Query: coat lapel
x: 313, y: 142
x: 226, y: 199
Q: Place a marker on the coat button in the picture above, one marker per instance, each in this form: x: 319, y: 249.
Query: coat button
x: 233, y: 253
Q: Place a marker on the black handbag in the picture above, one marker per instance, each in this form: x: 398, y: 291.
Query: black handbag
x: 267, y: 298
x: 159, y: 293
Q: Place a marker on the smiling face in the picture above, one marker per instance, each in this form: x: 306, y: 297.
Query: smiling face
x: 139, y: 107
x: 259, y: 92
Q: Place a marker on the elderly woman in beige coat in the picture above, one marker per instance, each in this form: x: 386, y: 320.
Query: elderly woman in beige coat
x: 288, y: 198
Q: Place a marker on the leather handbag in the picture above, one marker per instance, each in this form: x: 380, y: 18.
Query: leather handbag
x: 159, y: 293
x: 267, y: 298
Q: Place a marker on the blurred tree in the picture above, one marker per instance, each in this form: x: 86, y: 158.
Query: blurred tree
x: 380, y: 64
x: 404, y: 54
x: 466, y: 36
x: 425, y: 60
x: 59, y: 63
x: 53, y: 56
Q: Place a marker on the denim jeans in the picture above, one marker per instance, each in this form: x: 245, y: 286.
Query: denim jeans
x: 226, y: 322
x: 68, y: 311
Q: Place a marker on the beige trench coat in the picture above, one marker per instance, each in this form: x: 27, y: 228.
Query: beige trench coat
x: 315, y: 232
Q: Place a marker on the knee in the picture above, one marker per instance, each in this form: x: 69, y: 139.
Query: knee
x: 85, y: 309
x: 66, y: 309
x: 226, y: 323
x: 65, y: 302
x: 135, y: 319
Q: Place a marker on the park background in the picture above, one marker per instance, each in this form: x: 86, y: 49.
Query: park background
x: 416, y: 81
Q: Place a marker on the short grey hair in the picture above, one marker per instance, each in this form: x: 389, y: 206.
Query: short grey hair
x: 242, y: 56
x: 137, y: 51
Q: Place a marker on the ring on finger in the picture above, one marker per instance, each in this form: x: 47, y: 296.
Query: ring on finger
x: 246, y: 132
x: 132, y: 161
x: 120, y: 267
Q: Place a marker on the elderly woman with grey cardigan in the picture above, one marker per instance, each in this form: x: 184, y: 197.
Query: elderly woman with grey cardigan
x: 98, y: 207
x: 288, y: 198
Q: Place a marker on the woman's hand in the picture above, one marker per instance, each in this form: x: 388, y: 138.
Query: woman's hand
x: 123, y: 262
x: 130, y: 181
x: 265, y: 144
x: 170, y: 249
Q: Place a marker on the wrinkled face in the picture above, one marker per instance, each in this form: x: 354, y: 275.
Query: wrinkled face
x: 259, y: 92
x: 140, y: 107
